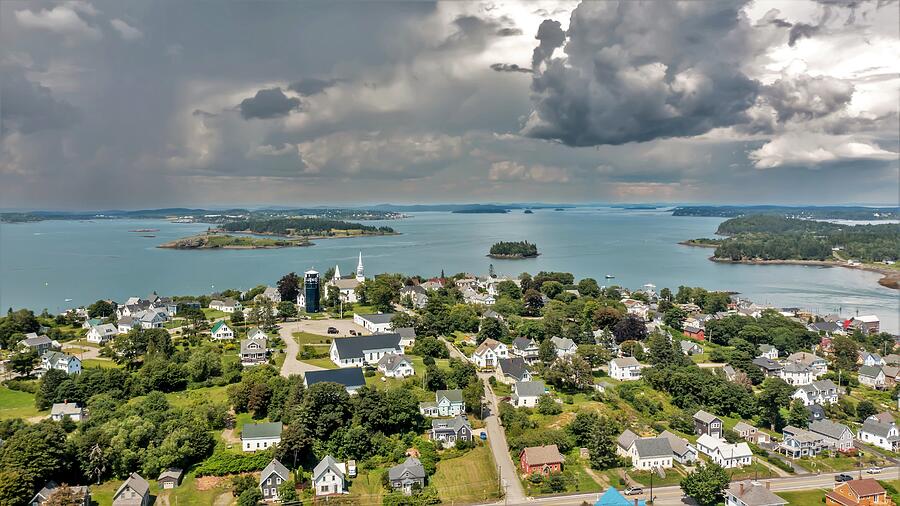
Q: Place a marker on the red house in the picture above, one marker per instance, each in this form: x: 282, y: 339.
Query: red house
x: 694, y: 333
x: 541, y: 459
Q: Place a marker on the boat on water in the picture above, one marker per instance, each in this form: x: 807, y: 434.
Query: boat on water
x: 610, y: 276
x: 148, y: 236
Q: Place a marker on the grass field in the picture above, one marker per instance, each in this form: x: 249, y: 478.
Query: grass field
x: 16, y: 404
x: 99, y: 362
x: 213, y: 314
x: 304, y: 338
x: 323, y: 362
x: 366, y: 488
x: 191, y: 397
x: 467, y: 479
x: 186, y: 493
x: 804, y: 497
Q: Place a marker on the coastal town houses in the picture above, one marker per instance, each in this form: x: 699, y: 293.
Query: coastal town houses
x: 542, y: 460
x: 836, y: 436
x: 872, y: 376
x: 59, y: 361
x: 797, y: 442
x: 870, y: 324
x: 796, y: 374
x: 564, y: 346
x: 100, y: 334
x: 446, y: 403
x: 450, y: 430
x: 682, y: 450
x: 395, y: 366
x: 723, y: 453
x: 708, y: 424
x: 374, y: 323
x: 694, y: 332
x: 329, y: 477
x: 751, y: 493
x: 407, y: 337
x: 472, y: 296
x: 256, y: 333
x: 253, y: 351
x: 149, y: 319
x: 408, y: 476
x: 125, y: 324
x: 61, y: 410
x: 820, y: 392
x: 351, y: 378
x: 625, y: 369
x: 414, y: 296
x: 525, y: 348
x: 769, y: 367
x: 260, y: 436
x: 881, y: 433
x: 525, y: 394
x: 135, y: 491
x: 690, y: 348
x: 221, y: 331
x: 870, y: 359
x: 816, y: 364
x: 488, y: 353
x: 81, y: 495
x: 271, y: 478
x: 346, y: 287
x: 511, y: 370
x: 648, y: 453
x: 768, y: 351
x: 225, y: 305
x: 270, y: 293
x: 860, y: 492
x: 364, y: 350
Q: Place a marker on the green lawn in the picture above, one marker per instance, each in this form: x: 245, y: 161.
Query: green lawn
x: 804, y: 497
x: 186, y: 493
x: 304, y: 338
x: 673, y: 477
x: 323, y: 362
x: 366, y: 488
x: 16, y: 404
x: 469, y: 478
x: 99, y: 362
x: 191, y: 397
x: 213, y: 314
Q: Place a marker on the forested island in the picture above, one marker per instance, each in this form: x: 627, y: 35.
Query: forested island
x: 513, y: 250
x: 184, y: 214
x: 770, y: 238
x: 810, y: 212
x: 225, y: 241
x: 304, y: 227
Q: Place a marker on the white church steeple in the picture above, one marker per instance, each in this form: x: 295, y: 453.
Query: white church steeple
x: 337, y: 272
x: 359, y: 270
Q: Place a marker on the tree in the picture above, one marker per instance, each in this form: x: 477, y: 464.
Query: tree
x: 15, y: 487
x: 674, y: 317
x: 588, y: 287
x: 547, y: 352
x: 630, y: 328
x: 101, y: 309
x: 845, y: 352
x: 665, y: 294
x: 865, y: 409
x: 287, y: 309
x: 250, y: 497
x: 129, y: 347
x: 23, y: 361
x: 546, y: 405
x: 571, y: 372
x: 601, y: 444
x: 533, y: 302
x: 509, y: 289
x: 774, y: 394
x: 287, y: 492
x: 242, y: 483
x: 435, y: 379
x: 552, y: 288
x: 492, y: 328
x: 289, y: 286
x: 705, y: 484
x: 798, y: 415
x: 237, y: 317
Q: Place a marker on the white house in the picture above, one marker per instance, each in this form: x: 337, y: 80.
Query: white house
x: 872, y: 376
x: 346, y: 288
x: 682, y: 450
x: 487, y: 354
x: 61, y: 362
x: 564, y: 346
x: 329, y: 476
x: 870, y: 359
x: 819, y: 392
x: 795, y: 373
x: 256, y: 333
x: 625, y: 369
x: 446, y: 403
x: 415, y: 295
x: 723, y: 453
x: 815, y: 363
x: 395, y: 366
x: 883, y: 434
x: 526, y: 393
x: 253, y: 351
x: 525, y: 348
x: 100, y: 334
x: 221, y: 330
x: 364, y: 350
x: 61, y: 410
x: 650, y: 453
x: 270, y: 293
x: 226, y: 306
x: 374, y: 323
x: 768, y: 351
x: 125, y: 324
x: 689, y: 347
x: 259, y: 436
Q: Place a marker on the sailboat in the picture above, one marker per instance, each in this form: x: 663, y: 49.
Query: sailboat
x: 609, y: 276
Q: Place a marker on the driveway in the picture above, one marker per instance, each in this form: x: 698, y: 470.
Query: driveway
x: 497, y: 440
x: 291, y: 365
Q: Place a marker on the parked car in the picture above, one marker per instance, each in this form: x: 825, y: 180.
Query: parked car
x: 483, y: 436
x: 332, y: 330
x: 873, y: 470
x: 843, y: 477
x: 352, y: 332
x: 634, y: 491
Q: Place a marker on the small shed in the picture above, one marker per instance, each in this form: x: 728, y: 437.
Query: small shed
x: 170, y: 478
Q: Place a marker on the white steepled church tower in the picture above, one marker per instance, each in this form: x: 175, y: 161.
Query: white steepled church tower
x: 359, y: 270
x: 337, y: 272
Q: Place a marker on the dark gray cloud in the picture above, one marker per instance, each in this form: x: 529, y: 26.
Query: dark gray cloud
x: 632, y: 74
x: 509, y: 67
x: 268, y: 103
x: 509, y: 32
x: 551, y: 36
x: 312, y: 86
x: 800, y: 31
x: 28, y: 107
x: 806, y: 97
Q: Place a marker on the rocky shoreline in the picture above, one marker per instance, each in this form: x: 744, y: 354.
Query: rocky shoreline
x: 890, y: 278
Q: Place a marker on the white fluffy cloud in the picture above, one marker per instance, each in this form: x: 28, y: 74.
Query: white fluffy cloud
x: 813, y: 149
x: 63, y: 19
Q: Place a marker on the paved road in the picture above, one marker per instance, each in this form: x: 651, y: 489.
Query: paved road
x: 672, y: 495
x: 291, y: 365
x: 515, y: 494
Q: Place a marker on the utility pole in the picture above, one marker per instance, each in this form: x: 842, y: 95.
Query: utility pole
x: 652, y: 470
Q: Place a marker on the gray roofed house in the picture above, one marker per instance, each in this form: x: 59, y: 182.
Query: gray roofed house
x: 682, y: 450
x: 253, y: 351
x: 892, y: 359
x: 359, y: 351
x: 61, y: 410
x: 37, y: 343
x: 510, y: 370
x: 450, y: 430
x: 170, y: 478
x: 769, y: 367
x: 328, y: 476
x: 652, y: 447
x: 135, y: 491
x: 837, y: 435
x: 395, y: 366
x: 407, y: 336
x: 259, y: 436
x: 352, y: 378
x: 446, y: 403
x: 708, y: 423
x: 527, y: 393
x: 625, y: 439
x: 768, y: 351
x: 525, y: 348
x: 564, y: 346
x: 407, y: 476
x: 751, y: 493
x: 272, y: 477
x: 881, y: 434
x: 690, y: 348
x: 82, y: 494
x: 825, y: 327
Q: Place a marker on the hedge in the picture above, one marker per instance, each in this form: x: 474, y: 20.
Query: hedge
x: 222, y: 463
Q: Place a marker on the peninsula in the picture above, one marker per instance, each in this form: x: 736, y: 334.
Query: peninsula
x: 213, y: 240
x: 513, y: 250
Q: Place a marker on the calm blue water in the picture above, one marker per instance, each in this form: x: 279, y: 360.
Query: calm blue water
x: 44, y: 263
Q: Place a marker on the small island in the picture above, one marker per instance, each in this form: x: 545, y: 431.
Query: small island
x: 513, y: 250
x: 225, y: 241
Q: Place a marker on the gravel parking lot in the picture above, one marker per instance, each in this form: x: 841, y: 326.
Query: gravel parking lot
x: 321, y: 327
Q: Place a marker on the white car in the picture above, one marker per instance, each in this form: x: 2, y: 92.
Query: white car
x: 873, y: 470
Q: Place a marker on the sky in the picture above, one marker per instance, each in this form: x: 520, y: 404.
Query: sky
x: 109, y: 104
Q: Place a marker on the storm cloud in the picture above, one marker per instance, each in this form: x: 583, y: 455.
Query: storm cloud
x: 268, y: 103
x: 632, y: 73
x: 29, y: 107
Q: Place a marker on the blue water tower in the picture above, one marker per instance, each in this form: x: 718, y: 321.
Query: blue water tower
x: 311, y: 290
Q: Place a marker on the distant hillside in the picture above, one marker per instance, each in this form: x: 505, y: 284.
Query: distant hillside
x: 809, y: 212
